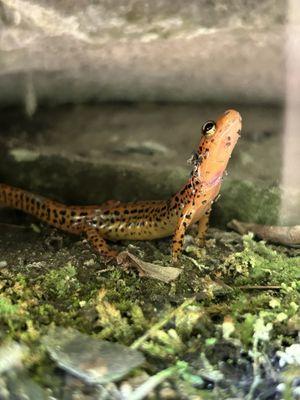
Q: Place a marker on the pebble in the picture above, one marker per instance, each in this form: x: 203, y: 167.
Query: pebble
x: 92, y: 360
x: 11, y: 355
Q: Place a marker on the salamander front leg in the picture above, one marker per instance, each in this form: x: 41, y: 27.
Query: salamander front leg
x: 202, y: 228
x: 182, y: 225
x: 93, y: 236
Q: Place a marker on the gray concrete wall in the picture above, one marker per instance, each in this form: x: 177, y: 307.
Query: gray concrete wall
x: 170, y: 50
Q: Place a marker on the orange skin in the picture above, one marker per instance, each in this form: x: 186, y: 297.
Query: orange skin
x: 144, y: 220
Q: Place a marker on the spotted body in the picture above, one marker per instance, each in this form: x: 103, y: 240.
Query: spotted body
x: 144, y: 220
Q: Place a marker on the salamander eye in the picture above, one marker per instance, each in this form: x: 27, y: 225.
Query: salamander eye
x: 209, y: 128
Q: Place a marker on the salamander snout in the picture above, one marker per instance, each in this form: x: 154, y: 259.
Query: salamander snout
x: 233, y: 114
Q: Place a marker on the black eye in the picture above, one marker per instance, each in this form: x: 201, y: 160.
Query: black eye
x: 209, y: 128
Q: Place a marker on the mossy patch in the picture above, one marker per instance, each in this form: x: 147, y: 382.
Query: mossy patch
x: 236, y: 295
x: 247, y: 201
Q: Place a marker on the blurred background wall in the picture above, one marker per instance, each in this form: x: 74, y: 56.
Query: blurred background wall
x: 171, y: 50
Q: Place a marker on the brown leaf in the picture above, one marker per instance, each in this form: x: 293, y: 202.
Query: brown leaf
x: 150, y: 270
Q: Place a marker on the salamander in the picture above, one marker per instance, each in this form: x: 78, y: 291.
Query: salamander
x: 145, y: 220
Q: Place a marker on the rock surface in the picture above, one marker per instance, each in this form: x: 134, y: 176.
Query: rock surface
x: 94, y: 361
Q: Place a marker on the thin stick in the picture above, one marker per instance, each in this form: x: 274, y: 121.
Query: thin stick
x: 161, y: 323
x: 260, y: 287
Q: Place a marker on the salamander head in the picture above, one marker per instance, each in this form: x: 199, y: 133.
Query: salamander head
x: 216, y: 145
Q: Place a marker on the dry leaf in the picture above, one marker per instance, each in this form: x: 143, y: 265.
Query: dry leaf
x: 150, y: 270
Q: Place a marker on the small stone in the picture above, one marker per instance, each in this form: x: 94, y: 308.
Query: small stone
x: 3, y: 264
x: 20, y: 386
x: 11, y: 355
x: 92, y: 360
x: 291, y: 355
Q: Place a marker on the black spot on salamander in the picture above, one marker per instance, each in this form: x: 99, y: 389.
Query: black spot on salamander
x: 133, y: 211
x: 204, y: 202
x: 228, y: 138
x: 177, y: 199
x: 188, y: 216
x: 63, y: 220
x: 117, y: 212
x: 62, y: 212
x: 83, y: 214
x: 126, y: 211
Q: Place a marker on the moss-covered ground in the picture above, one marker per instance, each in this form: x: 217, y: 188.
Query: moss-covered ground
x: 220, y: 323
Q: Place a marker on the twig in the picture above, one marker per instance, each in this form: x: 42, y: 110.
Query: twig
x: 259, y: 287
x: 143, y: 390
x: 286, y: 235
x: 136, y: 344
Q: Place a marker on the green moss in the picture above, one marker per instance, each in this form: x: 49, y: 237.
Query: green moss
x: 7, y: 309
x: 111, y: 304
x: 248, y: 202
x: 260, y: 264
x: 61, y: 282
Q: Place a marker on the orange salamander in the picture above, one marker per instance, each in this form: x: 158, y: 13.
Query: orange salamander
x: 145, y: 220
